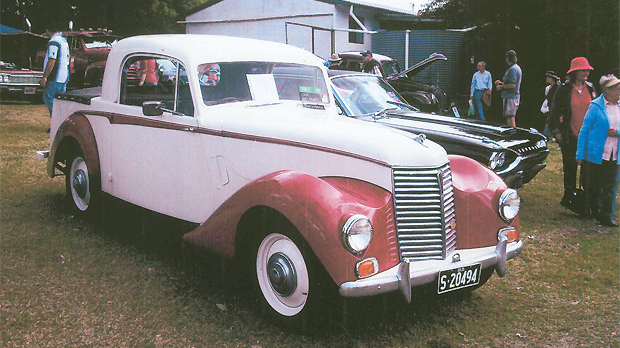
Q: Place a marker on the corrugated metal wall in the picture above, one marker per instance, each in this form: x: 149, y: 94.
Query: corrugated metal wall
x: 423, y: 43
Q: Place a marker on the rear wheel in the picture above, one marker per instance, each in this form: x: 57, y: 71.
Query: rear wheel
x: 83, y: 188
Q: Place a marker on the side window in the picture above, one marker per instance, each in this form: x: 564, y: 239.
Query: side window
x: 151, y: 78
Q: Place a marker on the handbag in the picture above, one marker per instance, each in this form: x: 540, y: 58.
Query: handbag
x: 575, y: 198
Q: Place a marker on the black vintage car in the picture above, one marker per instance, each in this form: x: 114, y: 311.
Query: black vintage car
x: 515, y: 154
x: 424, y: 96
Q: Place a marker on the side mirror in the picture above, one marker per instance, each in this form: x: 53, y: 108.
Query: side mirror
x: 152, y: 108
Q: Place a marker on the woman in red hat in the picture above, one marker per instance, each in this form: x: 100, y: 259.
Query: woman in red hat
x: 568, y: 109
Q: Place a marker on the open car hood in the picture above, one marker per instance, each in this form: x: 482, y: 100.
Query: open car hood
x: 418, y: 67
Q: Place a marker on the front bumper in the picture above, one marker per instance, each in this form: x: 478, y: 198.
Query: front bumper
x: 21, y: 88
x: 406, y: 275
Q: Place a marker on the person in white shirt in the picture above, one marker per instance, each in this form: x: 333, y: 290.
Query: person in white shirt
x: 55, y: 69
x: 481, y: 82
x: 597, y: 151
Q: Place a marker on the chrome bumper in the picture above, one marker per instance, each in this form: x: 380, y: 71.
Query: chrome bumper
x: 406, y: 275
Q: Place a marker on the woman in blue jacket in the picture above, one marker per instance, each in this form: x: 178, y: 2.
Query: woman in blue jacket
x: 597, y: 151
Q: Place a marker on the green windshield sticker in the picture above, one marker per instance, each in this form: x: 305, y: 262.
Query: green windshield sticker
x: 310, y: 94
x: 312, y: 90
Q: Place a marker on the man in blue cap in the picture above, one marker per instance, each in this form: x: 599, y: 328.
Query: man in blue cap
x: 370, y: 66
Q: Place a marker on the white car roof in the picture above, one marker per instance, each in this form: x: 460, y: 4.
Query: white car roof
x: 194, y: 49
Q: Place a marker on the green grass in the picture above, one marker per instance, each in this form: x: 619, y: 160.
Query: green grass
x: 129, y: 282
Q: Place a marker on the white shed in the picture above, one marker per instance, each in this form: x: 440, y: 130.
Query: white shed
x: 319, y: 26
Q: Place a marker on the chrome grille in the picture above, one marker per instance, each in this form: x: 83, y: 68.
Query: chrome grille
x: 24, y: 79
x: 530, y: 148
x: 424, y: 209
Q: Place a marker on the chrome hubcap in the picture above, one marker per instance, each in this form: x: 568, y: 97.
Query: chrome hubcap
x: 79, y: 183
x: 281, y: 273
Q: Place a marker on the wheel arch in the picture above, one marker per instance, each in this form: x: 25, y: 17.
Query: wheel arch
x: 314, y: 208
x: 75, y: 131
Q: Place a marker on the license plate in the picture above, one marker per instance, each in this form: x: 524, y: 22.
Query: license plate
x: 458, y: 278
x: 30, y: 90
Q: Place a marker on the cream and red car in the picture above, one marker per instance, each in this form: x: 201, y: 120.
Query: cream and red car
x: 257, y: 157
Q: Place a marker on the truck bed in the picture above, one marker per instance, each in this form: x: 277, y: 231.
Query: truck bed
x: 82, y: 96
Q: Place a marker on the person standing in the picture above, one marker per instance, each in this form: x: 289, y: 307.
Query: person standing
x: 597, y: 151
x: 148, y: 72
x: 334, y: 62
x: 370, y: 65
x: 568, y: 109
x: 480, y: 83
x: 55, y: 69
x: 553, y: 81
x: 510, y: 87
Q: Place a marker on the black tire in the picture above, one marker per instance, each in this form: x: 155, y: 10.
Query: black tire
x: 83, y: 187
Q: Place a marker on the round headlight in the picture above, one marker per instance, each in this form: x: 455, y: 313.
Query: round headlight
x: 509, y: 204
x: 357, y: 233
x: 497, y: 160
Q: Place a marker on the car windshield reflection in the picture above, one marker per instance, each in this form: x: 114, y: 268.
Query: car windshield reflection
x: 363, y: 95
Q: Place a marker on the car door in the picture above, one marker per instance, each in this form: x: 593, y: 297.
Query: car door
x: 158, y: 162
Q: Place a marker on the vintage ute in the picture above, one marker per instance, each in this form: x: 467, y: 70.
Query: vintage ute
x: 418, y: 91
x: 247, y: 145
x: 515, y: 154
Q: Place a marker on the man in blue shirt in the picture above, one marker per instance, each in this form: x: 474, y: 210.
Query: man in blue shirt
x: 480, y: 83
x: 55, y: 69
x: 510, y: 87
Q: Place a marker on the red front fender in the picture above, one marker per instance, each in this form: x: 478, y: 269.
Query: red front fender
x: 477, y: 190
x: 318, y: 208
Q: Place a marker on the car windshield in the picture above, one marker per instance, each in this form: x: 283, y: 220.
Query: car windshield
x: 263, y: 82
x: 365, y: 94
x: 99, y: 41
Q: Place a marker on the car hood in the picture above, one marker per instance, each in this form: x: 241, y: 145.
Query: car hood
x: 471, y: 131
x: 291, y: 123
x: 417, y: 68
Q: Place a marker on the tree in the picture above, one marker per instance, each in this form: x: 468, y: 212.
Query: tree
x: 125, y: 17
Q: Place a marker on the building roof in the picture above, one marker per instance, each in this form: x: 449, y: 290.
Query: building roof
x: 360, y: 3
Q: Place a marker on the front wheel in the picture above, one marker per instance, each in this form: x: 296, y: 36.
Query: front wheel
x: 282, y: 275
x: 82, y: 186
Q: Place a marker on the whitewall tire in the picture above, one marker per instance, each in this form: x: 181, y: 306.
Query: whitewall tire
x: 79, y: 184
x: 282, y: 274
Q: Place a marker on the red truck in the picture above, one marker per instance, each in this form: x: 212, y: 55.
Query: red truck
x: 89, y: 50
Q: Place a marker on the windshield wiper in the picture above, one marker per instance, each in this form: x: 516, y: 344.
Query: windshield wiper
x: 410, y: 107
x: 381, y: 113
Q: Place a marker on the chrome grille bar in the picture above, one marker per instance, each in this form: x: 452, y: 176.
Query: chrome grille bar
x: 424, y: 209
